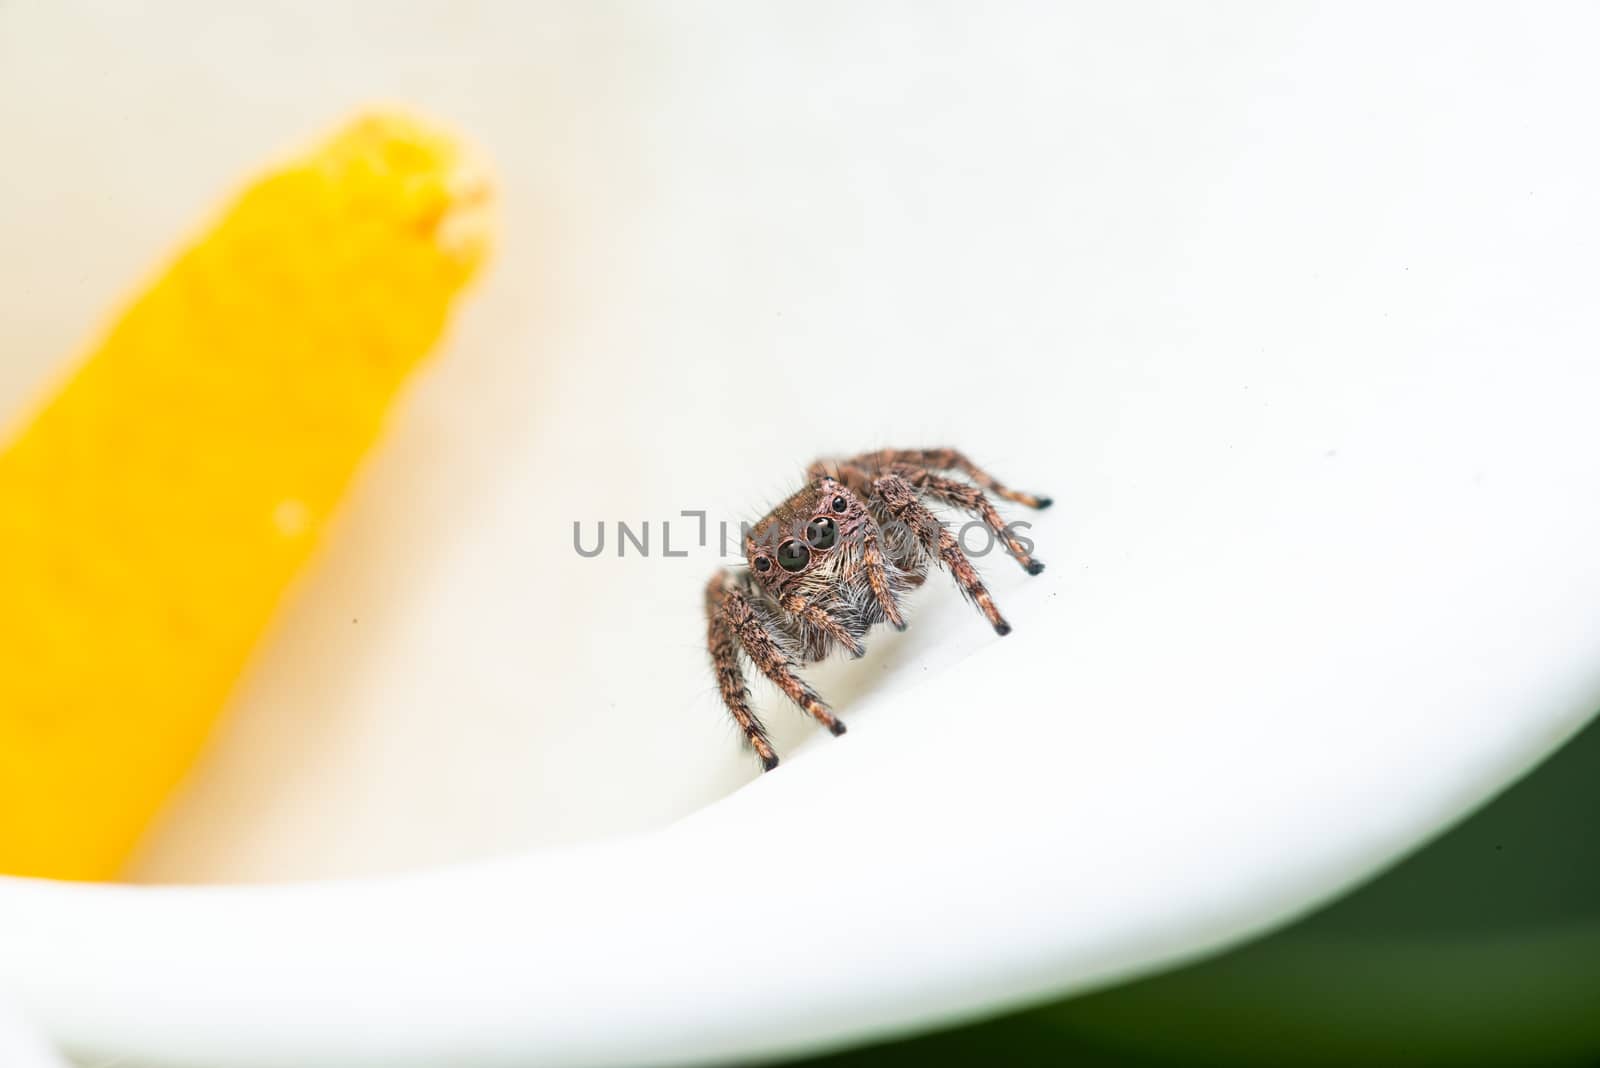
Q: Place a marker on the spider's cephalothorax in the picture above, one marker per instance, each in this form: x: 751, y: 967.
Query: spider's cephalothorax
x: 832, y: 561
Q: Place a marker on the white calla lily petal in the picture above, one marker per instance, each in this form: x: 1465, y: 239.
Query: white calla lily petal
x: 1302, y: 348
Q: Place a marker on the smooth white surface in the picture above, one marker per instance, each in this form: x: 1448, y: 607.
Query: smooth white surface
x: 20, y: 1047
x: 1290, y: 309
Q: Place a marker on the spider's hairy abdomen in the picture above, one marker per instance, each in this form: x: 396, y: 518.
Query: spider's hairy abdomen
x: 833, y: 561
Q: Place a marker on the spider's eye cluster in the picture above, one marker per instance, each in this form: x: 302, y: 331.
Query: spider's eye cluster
x: 821, y: 533
x: 763, y: 564
x: 793, y: 555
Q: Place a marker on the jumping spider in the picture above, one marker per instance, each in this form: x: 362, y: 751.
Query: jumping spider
x: 824, y: 569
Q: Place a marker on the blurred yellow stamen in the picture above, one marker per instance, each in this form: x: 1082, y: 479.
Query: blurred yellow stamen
x: 155, y: 509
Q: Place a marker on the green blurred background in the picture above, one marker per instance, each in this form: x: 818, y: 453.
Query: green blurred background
x: 1483, y: 948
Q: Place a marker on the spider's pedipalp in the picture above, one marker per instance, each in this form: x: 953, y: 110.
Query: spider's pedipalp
x: 874, y: 561
x: 825, y: 622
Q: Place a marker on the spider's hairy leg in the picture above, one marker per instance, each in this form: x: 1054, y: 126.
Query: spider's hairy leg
x: 872, y: 562
x: 949, y: 460
x: 762, y: 646
x: 730, y: 679
x: 817, y: 616
x: 900, y: 498
x: 971, y: 499
x: 873, y: 557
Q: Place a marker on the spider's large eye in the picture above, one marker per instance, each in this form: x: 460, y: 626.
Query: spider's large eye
x: 821, y: 533
x: 839, y: 505
x: 793, y: 555
x: 763, y: 564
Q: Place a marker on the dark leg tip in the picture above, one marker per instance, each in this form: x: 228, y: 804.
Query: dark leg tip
x: 1034, y: 567
x: 1002, y: 628
x: 1042, y: 503
x: 769, y: 762
x: 837, y: 727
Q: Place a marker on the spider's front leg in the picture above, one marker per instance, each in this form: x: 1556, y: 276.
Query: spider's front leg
x: 761, y: 644
x: 901, y: 500
x: 730, y: 679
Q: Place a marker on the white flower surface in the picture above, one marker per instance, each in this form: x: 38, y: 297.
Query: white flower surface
x: 1290, y: 309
